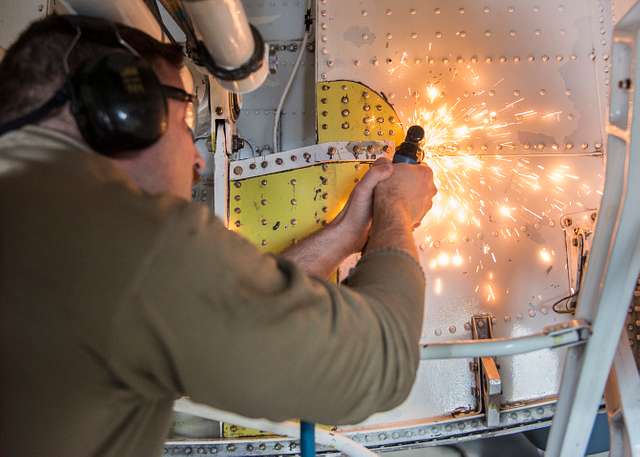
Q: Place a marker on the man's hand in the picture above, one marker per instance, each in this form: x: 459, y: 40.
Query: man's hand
x: 354, y: 221
x: 321, y: 253
x: 400, y: 203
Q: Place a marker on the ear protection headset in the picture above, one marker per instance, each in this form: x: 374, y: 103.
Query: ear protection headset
x: 116, y: 99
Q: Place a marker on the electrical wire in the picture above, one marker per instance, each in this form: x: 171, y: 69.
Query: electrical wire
x: 567, y: 309
x: 294, y: 71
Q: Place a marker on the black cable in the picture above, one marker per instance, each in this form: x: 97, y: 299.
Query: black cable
x: 566, y: 310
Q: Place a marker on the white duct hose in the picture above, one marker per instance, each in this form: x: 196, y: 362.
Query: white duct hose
x: 291, y: 429
x: 224, y: 29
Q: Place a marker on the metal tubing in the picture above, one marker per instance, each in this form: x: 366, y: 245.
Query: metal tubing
x: 497, y: 347
x: 586, y: 370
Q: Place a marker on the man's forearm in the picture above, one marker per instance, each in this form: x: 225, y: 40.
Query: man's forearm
x: 320, y: 254
x: 391, y: 229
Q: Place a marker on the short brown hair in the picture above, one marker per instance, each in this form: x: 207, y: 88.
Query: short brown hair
x: 32, y: 68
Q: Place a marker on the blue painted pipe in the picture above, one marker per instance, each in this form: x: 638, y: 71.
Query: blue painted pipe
x: 307, y: 439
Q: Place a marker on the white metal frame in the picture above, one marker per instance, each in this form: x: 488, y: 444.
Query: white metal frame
x: 622, y: 396
x: 615, y: 258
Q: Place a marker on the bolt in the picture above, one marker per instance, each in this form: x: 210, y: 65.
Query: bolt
x: 624, y: 84
x: 237, y: 170
x: 219, y: 110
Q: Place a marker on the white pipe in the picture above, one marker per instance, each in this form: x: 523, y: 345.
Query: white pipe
x: 496, y: 347
x: 291, y: 429
x: 225, y: 32
x: 224, y: 29
x: 133, y: 13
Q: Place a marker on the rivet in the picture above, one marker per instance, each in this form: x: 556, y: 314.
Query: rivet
x: 325, y: 87
x: 437, y: 11
x: 264, y: 221
x: 237, y: 198
x: 345, y: 125
x: 293, y: 202
x: 237, y: 184
x: 461, y: 34
x: 503, y: 59
x: 238, y: 224
x: 531, y: 58
x: 516, y: 93
x: 379, y: 107
x: 367, y: 132
x: 263, y: 202
x: 264, y: 164
x: 231, y: 447
x: 389, y: 36
x: 537, y: 32
x: 323, y: 101
x: 569, y: 146
x: 364, y: 12
x: 486, y: 10
x: 325, y: 209
x: 412, y: 11
x: 488, y: 60
x: 559, y: 58
x: 512, y: 33
x: 306, y: 156
x: 345, y: 112
x: 438, y: 34
x: 279, y: 161
x: 365, y: 36
x: 237, y: 170
x: 380, y: 133
x: 374, y: 61
x: 252, y: 166
x: 584, y: 145
x: 542, y: 92
x: 356, y: 62
x: 414, y: 35
x: 388, y: 12
x: 325, y: 126
x: 511, y: 9
x: 329, y: 63
x: 516, y: 59
x: 325, y: 196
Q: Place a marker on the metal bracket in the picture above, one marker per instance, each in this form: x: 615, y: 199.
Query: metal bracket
x: 488, y: 381
x: 580, y: 326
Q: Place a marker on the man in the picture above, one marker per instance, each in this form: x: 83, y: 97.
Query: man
x: 118, y: 295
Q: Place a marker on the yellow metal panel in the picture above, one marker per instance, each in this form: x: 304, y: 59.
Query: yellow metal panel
x: 273, y: 211
x: 276, y: 210
x: 350, y: 111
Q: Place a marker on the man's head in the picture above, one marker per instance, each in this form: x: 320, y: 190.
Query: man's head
x: 33, y: 70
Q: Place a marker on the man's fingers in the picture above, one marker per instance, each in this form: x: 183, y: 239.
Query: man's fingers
x: 378, y: 172
x: 381, y: 161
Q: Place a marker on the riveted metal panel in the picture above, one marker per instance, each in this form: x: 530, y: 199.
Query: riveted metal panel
x: 526, y: 81
x: 273, y: 211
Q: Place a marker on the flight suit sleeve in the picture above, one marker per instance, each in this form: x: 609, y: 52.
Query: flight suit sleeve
x: 211, y: 318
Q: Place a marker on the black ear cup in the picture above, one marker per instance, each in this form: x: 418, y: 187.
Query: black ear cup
x: 118, y: 103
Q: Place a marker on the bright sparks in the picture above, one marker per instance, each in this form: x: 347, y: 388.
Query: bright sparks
x: 472, y: 181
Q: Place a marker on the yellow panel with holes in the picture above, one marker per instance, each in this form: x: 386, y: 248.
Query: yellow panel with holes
x: 273, y: 211
x: 276, y: 210
x: 350, y: 111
